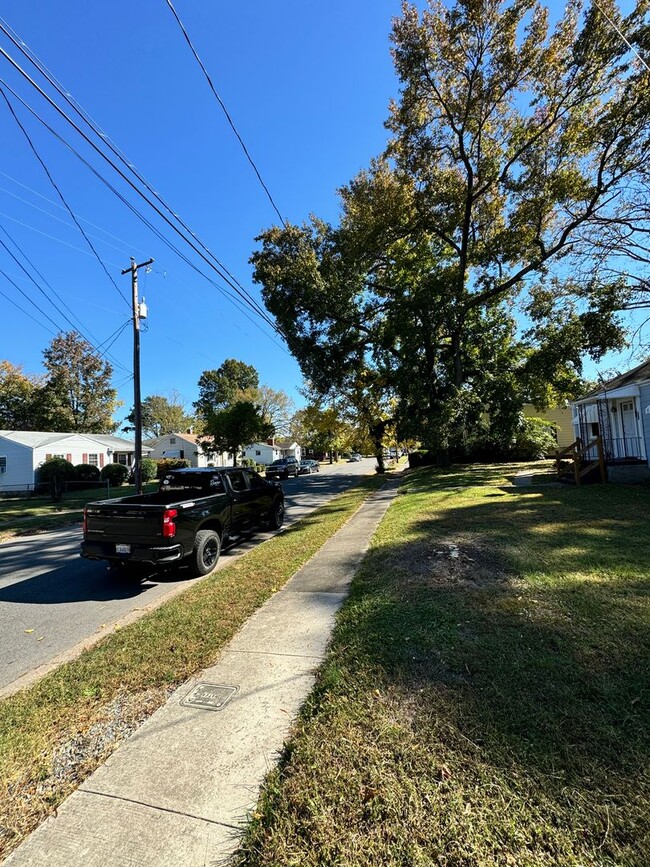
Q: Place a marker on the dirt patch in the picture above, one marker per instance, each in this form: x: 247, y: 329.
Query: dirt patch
x: 452, y: 563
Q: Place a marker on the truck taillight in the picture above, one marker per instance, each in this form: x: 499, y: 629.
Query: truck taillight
x: 169, y: 527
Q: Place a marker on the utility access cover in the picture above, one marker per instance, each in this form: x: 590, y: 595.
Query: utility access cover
x: 209, y: 696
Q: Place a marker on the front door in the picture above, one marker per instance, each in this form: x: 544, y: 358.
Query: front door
x: 629, y: 445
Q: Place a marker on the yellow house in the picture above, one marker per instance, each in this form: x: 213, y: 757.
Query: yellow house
x: 559, y: 417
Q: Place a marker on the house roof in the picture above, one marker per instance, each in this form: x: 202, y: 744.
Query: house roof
x: 37, y: 439
x: 640, y: 373
x: 190, y: 438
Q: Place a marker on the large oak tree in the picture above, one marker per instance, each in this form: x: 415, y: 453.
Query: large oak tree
x: 517, y: 167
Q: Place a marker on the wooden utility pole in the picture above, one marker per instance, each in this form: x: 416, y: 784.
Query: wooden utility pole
x: 137, y: 405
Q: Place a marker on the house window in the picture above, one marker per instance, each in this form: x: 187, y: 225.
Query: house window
x: 121, y: 459
x: 93, y: 460
x: 258, y: 453
x: 172, y: 441
x: 595, y: 428
x: 3, y: 465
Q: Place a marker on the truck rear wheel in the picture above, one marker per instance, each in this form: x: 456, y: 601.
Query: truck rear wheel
x: 207, y: 548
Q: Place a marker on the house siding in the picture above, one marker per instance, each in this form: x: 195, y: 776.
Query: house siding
x: 20, y: 471
x: 559, y: 416
x: 644, y: 409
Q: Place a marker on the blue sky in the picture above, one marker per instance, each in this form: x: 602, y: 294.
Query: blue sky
x: 306, y: 84
x: 308, y: 87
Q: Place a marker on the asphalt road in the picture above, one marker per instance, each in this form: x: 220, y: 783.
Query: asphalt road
x: 51, y: 600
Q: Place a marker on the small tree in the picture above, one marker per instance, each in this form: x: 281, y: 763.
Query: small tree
x: 55, y: 472
x: 230, y: 429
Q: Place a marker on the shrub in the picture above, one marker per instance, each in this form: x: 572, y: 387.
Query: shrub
x: 421, y: 458
x: 248, y: 462
x: 115, y: 474
x: 54, y: 472
x: 534, y: 440
x: 87, y: 473
x: 148, y: 470
x: 167, y: 464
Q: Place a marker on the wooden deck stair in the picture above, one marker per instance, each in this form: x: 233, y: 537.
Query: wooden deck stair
x: 583, y: 470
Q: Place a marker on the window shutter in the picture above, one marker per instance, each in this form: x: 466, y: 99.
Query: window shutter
x: 48, y: 456
x: 84, y: 458
x: 68, y: 458
x: 101, y: 459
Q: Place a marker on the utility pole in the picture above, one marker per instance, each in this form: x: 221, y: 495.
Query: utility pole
x: 137, y: 405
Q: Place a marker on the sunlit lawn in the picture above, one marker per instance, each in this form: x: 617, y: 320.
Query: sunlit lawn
x: 486, y: 700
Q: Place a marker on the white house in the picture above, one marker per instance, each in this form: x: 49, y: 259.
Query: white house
x: 186, y: 446
x: 618, y: 411
x: 267, y: 452
x: 22, y: 452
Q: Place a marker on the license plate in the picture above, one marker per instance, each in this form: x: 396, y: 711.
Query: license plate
x: 122, y: 549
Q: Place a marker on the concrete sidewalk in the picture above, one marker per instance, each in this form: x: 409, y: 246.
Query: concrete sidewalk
x: 180, y: 789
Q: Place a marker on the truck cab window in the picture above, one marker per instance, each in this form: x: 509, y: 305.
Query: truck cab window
x: 237, y: 481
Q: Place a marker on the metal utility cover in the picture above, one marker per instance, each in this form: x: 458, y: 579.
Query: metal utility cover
x: 209, y: 696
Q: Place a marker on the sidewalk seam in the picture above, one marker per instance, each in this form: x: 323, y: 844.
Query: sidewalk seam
x: 160, y: 809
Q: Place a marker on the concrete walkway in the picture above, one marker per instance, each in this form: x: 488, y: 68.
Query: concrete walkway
x: 180, y: 789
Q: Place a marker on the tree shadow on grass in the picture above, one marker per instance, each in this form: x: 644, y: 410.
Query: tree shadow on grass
x: 517, y: 634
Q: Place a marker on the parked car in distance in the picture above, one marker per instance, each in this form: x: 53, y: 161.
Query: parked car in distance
x: 309, y: 466
x: 354, y: 456
x: 283, y: 468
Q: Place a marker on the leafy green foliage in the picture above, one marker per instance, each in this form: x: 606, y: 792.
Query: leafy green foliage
x: 55, y: 472
x: 87, y: 472
x: 227, y: 430
x: 160, y: 416
x: 78, y: 389
x: 115, y: 474
x: 514, y: 175
x: 148, y: 469
x: 164, y: 465
x: 220, y: 388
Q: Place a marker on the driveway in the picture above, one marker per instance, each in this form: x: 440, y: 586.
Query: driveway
x: 51, y: 600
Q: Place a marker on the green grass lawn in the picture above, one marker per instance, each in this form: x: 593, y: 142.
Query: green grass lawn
x: 486, y: 700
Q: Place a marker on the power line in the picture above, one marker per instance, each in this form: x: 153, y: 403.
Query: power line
x: 43, y: 292
x: 33, y: 303
x: 147, y: 222
x: 22, y: 309
x: 60, y: 194
x: 126, y: 244
x: 220, y: 268
x: 225, y: 110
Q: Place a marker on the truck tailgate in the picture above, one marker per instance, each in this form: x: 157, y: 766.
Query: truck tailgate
x: 124, y: 523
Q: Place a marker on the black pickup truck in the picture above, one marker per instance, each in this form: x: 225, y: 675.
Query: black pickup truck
x: 193, y: 512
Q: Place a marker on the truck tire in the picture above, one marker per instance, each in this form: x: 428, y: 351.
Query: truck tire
x: 207, y: 548
x: 276, y: 518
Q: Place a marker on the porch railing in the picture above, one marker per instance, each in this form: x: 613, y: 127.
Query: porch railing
x: 585, y: 458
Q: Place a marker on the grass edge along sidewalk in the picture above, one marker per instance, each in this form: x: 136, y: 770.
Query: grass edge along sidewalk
x: 55, y: 733
x: 486, y: 699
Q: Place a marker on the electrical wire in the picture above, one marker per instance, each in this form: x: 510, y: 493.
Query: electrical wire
x: 126, y: 245
x: 33, y: 303
x: 29, y: 204
x: 22, y: 309
x: 233, y: 299
x: 221, y: 270
x: 44, y: 293
x: 225, y: 110
x: 61, y: 196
